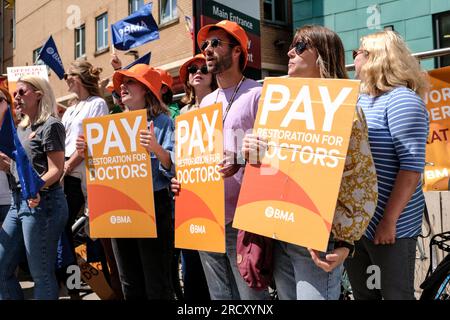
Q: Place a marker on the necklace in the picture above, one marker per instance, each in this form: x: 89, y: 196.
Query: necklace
x: 231, y: 99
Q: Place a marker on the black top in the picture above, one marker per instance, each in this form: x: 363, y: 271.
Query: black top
x: 39, y: 139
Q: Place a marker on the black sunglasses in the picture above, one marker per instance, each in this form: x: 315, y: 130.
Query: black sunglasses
x: 355, y: 53
x: 193, y: 69
x: 21, y: 92
x: 3, y: 99
x: 299, y: 46
x: 66, y: 75
x: 215, y: 42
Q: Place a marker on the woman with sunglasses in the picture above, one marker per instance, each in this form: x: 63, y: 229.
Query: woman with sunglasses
x: 144, y: 264
x: 35, y: 225
x: 392, y: 90
x: 302, y: 273
x: 83, y: 81
x: 198, y: 82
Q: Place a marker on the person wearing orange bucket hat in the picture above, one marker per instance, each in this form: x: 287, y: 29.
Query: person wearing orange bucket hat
x: 144, y: 264
x: 167, y: 93
x: 225, y: 46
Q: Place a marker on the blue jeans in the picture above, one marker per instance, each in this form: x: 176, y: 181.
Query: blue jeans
x: 37, y: 231
x: 298, y: 278
x: 222, y: 274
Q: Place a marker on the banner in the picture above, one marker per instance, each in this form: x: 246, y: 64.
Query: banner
x: 10, y: 145
x: 145, y: 59
x: 135, y: 30
x: 437, y: 150
x: 119, y: 177
x: 15, y: 73
x: 292, y: 195
x: 200, y: 206
x: 49, y: 54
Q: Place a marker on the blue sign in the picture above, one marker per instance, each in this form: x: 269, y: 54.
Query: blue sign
x: 49, y: 54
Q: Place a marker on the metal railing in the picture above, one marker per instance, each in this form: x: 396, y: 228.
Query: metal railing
x: 351, y: 67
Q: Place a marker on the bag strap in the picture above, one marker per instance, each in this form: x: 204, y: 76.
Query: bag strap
x: 427, y: 221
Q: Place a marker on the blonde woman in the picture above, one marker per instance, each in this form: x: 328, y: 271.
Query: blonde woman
x: 35, y: 225
x: 391, y: 96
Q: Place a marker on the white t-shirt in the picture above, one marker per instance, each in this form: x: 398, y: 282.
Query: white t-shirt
x: 73, y: 119
x: 5, y: 193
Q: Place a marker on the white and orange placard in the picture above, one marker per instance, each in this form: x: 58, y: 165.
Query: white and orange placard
x: 292, y: 195
x: 119, y: 177
x: 200, y: 206
x: 15, y: 73
x: 438, y: 148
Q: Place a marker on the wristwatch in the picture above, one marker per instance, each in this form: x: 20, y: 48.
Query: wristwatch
x: 344, y: 244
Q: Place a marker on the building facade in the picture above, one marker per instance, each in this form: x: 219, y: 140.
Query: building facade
x: 424, y: 24
x: 81, y: 29
x: 6, y: 35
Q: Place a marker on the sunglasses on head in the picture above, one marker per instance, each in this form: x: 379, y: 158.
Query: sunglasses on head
x: 215, y: 42
x: 21, y: 92
x: 66, y: 75
x: 193, y: 69
x: 355, y: 53
x: 299, y: 46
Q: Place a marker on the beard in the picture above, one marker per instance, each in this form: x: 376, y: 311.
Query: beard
x: 220, y: 63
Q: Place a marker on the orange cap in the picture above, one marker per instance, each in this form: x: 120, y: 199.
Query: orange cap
x: 184, y: 67
x: 143, y: 73
x: 110, y: 86
x: 166, y: 78
x: 231, y: 28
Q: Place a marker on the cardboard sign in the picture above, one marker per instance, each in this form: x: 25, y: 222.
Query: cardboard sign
x: 15, y: 73
x: 200, y: 207
x: 292, y: 195
x: 119, y: 177
x: 437, y: 150
x: 92, y: 274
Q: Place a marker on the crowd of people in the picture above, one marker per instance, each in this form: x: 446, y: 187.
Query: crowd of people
x: 378, y: 213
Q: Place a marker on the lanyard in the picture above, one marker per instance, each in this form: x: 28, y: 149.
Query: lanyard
x: 232, y: 98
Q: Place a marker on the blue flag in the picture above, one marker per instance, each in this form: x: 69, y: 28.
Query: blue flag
x: 10, y: 145
x: 145, y: 59
x: 49, y: 54
x: 135, y: 30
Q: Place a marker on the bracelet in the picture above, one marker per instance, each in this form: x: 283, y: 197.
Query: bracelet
x: 345, y: 244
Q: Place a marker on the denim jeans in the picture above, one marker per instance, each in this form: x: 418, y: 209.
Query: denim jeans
x: 396, y: 263
x: 297, y: 276
x: 37, y: 231
x: 144, y: 265
x: 222, y: 273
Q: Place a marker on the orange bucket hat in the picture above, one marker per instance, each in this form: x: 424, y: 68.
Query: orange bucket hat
x: 143, y: 73
x: 233, y: 29
x: 166, y: 78
x: 183, y: 69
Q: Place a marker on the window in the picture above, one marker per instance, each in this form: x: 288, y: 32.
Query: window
x: 442, y: 31
x: 275, y: 11
x: 134, y: 5
x: 80, y: 42
x: 167, y: 10
x: 101, y: 32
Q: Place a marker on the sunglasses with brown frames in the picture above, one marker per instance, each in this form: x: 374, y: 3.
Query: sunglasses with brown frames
x: 355, y: 53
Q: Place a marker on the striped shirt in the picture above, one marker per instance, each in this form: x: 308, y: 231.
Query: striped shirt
x: 398, y: 129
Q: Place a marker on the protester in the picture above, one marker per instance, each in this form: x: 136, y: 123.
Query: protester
x: 35, y: 225
x: 225, y: 46
x: 198, y: 82
x: 167, y: 93
x: 144, y: 264
x: 392, y: 89
x: 82, y: 80
x: 302, y: 273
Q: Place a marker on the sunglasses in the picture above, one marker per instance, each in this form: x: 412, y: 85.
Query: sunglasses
x: 215, y: 42
x: 299, y: 47
x: 66, y: 75
x: 355, y: 53
x: 20, y: 92
x: 193, y: 69
x: 3, y: 99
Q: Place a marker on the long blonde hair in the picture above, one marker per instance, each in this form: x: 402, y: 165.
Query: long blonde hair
x: 389, y: 65
x: 47, y: 104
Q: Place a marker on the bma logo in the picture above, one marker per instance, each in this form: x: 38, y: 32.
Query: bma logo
x: 275, y: 213
x: 50, y: 50
x: 132, y: 28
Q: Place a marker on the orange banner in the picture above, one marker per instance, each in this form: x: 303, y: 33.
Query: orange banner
x: 438, y: 151
x: 292, y: 195
x: 119, y: 177
x: 200, y: 207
